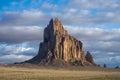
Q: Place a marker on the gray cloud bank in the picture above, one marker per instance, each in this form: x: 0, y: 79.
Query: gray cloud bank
x: 20, y: 34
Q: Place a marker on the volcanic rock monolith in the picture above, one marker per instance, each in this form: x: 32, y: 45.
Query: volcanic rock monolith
x: 58, y: 46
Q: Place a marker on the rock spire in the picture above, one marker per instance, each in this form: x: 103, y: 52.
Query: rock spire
x: 58, y: 45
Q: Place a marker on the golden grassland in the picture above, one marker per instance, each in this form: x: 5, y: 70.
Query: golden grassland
x: 22, y: 73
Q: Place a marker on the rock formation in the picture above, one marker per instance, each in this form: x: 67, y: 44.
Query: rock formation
x: 59, y: 46
x: 89, y: 58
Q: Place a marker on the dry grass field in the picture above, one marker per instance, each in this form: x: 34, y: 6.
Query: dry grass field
x: 20, y: 73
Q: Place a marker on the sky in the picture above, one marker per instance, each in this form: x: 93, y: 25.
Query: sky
x: 94, y: 22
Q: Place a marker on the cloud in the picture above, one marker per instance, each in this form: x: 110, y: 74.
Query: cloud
x: 111, y: 61
x: 14, y: 3
x: 95, y: 4
x: 21, y: 34
x: 19, y: 49
x: 25, y: 18
x: 13, y: 58
x: 48, y: 6
x: 72, y: 15
x: 11, y: 53
x: 91, y: 12
x: 92, y: 34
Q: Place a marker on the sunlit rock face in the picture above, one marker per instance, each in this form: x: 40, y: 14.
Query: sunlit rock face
x: 58, y: 45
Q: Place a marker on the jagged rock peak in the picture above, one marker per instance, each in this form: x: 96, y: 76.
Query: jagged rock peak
x: 89, y: 57
x: 53, y: 29
x: 55, y: 21
x: 55, y: 25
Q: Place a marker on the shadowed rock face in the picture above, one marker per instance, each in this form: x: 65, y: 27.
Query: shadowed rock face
x: 58, y: 45
x: 89, y: 58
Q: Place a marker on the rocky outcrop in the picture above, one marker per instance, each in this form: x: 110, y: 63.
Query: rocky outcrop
x: 89, y: 58
x: 58, y: 45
